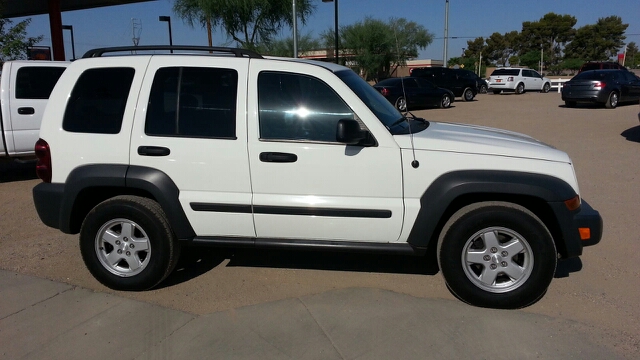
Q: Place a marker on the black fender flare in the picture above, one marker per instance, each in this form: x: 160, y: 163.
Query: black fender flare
x: 133, y: 178
x: 435, y: 201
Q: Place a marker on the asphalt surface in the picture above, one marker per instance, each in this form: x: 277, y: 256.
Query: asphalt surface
x: 247, y: 304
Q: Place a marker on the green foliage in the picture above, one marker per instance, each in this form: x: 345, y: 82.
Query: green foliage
x: 633, y: 59
x: 501, y: 47
x: 379, y: 46
x: 284, y: 47
x: 531, y: 59
x: 598, y: 42
x: 550, y: 34
x: 249, y: 23
x: 571, y: 64
x: 14, y: 41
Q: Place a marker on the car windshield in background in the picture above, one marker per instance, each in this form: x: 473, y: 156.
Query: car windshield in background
x: 382, y: 108
x: 508, y: 72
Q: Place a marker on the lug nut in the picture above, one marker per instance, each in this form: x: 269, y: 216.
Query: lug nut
x: 126, y: 239
x: 117, y: 242
x: 504, y: 253
x: 493, y: 266
x: 131, y: 246
x: 128, y: 253
x: 504, y: 264
x: 494, y: 250
x: 119, y: 251
x: 486, y: 258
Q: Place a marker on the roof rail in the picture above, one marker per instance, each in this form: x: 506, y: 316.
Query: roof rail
x: 235, y: 51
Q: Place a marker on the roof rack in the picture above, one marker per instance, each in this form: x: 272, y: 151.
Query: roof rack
x: 235, y: 51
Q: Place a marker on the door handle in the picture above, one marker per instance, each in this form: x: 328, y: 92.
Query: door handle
x: 153, y: 151
x: 26, y: 111
x: 278, y: 157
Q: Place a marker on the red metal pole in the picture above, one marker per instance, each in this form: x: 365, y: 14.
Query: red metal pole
x: 55, y: 25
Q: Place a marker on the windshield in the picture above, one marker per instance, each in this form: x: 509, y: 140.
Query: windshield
x: 507, y: 72
x: 380, y: 106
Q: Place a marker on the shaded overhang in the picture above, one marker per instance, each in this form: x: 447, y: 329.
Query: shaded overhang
x: 20, y: 8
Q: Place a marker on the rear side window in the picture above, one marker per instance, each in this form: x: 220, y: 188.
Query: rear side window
x: 37, y: 82
x: 506, y: 72
x: 98, y: 101
x: 193, y: 102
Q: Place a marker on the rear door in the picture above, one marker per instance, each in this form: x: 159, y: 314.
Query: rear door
x: 191, y: 124
x: 630, y: 84
x: 30, y: 89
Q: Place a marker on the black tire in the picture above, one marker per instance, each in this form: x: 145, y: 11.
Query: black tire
x: 497, y: 91
x: 483, y: 89
x: 520, y: 89
x: 467, y: 94
x: 482, y: 279
x: 570, y: 104
x: 612, y: 100
x: 445, y: 101
x: 546, y: 87
x: 141, y: 249
x: 401, y: 104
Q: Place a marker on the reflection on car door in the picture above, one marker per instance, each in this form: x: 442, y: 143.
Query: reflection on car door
x: 630, y: 85
x: 305, y: 184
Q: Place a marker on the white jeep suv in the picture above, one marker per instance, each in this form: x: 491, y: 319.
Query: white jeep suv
x: 141, y: 154
x: 517, y: 80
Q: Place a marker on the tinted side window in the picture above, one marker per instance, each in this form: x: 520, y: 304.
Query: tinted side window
x: 193, y: 102
x: 507, y: 72
x: 98, y: 101
x: 36, y: 82
x: 298, y: 107
x: 410, y: 83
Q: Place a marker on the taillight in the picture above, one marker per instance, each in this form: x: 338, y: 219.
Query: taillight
x: 43, y: 166
x: 599, y: 85
x: 510, y: 78
x: 384, y: 91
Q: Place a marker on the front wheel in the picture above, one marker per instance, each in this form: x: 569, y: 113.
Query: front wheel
x: 612, y: 100
x: 483, y: 89
x: 127, y: 244
x: 497, y: 255
x: 445, y: 102
x: 546, y: 88
x: 467, y: 94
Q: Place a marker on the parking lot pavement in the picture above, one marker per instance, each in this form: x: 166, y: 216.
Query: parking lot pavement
x: 42, y: 319
x: 592, y: 303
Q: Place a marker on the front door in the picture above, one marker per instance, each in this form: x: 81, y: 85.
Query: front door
x: 305, y: 184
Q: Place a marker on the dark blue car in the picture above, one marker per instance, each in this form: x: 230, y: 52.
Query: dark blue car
x: 411, y: 92
x: 608, y: 87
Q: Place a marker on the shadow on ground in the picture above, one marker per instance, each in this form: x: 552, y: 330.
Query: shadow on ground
x: 11, y: 170
x: 632, y: 134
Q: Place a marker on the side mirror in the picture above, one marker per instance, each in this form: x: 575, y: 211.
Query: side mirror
x: 348, y: 131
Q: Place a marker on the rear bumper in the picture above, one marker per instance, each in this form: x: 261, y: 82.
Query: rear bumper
x: 47, y: 199
x: 585, y: 96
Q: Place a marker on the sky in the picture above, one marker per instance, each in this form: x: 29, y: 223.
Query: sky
x: 468, y: 19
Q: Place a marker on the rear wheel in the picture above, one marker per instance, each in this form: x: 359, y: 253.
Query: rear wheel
x: 467, y: 94
x: 127, y: 244
x: 445, y: 102
x: 520, y: 89
x: 612, y: 100
x: 497, y: 255
x: 401, y: 104
x: 546, y: 88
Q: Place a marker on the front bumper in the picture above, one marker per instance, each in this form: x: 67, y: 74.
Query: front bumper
x: 574, y: 223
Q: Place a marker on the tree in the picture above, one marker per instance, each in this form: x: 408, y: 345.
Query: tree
x: 14, y: 41
x: 549, y: 34
x: 501, y: 47
x: 284, y: 47
x: 598, y: 42
x: 249, y: 23
x: 379, y: 46
x: 633, y: 60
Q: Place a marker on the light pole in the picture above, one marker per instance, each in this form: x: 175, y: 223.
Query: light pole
x: 335, y: 26
x: 295, y: 30
x: 446, y: 33
x: 73, y: 46
x: 168, y: 20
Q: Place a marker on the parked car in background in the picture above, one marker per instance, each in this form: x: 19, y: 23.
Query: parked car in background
x: 463, y: 83
x: 483, y: 86
x: 608, y: 87
x: 407, y: 92
x: 25, y: 86
x: 601, y: 65
x: 518, y: 80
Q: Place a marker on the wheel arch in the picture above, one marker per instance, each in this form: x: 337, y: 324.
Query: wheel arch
x: 451, y: 192
x: 89, y: 185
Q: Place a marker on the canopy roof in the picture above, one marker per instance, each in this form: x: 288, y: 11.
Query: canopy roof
x: 19, y: 8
